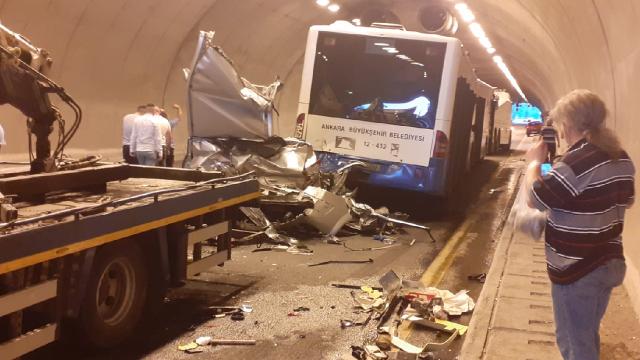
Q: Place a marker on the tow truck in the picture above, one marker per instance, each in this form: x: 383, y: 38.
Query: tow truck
x: 87, y: 247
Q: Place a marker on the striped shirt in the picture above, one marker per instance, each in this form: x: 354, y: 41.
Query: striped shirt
x: 585, y: 196
x: 548, y: 134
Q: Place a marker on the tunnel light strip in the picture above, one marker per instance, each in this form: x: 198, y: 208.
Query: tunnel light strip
x: 465, y: 12
x: 476, y: 29
x: 333, y: 7
x: 505, y: 70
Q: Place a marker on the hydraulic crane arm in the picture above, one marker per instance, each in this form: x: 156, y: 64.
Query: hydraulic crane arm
x: 23, y: 85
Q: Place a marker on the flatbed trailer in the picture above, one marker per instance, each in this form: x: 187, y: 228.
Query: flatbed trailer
x: 91, y: 250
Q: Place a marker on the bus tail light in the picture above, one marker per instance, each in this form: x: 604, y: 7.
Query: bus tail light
x: 442, y: 145
x: 299, y: 131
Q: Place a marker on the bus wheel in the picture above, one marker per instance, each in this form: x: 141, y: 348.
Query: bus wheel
x: 115, y: 295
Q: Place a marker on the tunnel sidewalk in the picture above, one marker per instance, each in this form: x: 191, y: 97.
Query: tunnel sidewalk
x: 513, y: 318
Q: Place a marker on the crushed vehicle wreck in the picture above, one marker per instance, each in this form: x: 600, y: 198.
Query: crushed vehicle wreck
x: 230, y: 131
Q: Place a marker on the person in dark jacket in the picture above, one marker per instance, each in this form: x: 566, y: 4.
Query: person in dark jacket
x: 550, y: 138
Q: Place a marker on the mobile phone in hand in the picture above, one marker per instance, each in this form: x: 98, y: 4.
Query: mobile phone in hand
x: 545, y: 168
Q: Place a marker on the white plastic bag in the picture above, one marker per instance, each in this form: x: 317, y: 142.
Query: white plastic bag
x: 528, y: 221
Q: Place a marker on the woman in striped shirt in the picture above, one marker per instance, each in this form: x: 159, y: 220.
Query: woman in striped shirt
x: 585, y: 196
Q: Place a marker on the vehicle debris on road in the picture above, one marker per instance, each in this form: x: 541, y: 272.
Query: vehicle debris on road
x: 403, y: 301
x: 194, y: 347
x: 341, y: 262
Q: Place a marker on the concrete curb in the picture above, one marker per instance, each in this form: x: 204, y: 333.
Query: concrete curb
x: 476, y: 338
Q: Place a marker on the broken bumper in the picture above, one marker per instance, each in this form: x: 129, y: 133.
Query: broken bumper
x: 428, y: 180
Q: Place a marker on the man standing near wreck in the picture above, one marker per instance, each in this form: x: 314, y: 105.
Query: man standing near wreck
x: 127, y: 128
x: 146, y: 138
x: 584, y: 196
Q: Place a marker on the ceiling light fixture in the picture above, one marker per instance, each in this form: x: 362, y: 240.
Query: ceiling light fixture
x: 356, y: 22
x: 465, y: 12
x: 381, y: 44
x: 334, y: 7
x: 323, y: 3
x: 505, y: 70
x: 485, y: 42
x: 477, y: 30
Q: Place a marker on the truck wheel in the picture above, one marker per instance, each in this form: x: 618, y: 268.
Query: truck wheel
x: 115, y: 295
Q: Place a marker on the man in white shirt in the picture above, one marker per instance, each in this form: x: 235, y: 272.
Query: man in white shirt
x: 170, y: 157
x: 146, y: 138
x: 2, y: 142
x: 165, y: 131
x: 127, y: 128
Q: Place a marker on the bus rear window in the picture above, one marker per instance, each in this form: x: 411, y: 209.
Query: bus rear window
x: 393, y: 81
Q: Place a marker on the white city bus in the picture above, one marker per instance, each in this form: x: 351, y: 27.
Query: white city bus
x: 406, y: 103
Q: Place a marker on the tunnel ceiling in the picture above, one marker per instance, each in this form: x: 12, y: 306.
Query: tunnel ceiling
x: 112, y: 55
x: 115, y: 54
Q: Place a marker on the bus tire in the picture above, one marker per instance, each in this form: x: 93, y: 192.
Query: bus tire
x: 116, y: 294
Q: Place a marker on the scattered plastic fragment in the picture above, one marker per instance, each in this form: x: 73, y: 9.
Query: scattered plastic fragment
x: 246, y: 308
x: 405, y: 346
x: 478, y: 277
x: 358, y: 352
x: 301, y: 309
x: 462, y: 329
x: 346, y: 324
x: 237, y: 316
x: 204, y: 340
x: 355, y: 287
x: 187, y: 347
x: 374, y: 294
x: 375, y: 352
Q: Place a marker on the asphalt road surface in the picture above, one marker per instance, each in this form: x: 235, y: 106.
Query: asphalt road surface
x: 276, y: 283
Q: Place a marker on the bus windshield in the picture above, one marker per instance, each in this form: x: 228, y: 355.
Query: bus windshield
x: 393, y: 81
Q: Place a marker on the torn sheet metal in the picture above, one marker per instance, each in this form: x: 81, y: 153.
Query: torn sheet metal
x: 292, y: 165
x: 221, y: 103
x: 366, y: 210
x: 330, y: 211
x: 277, y: 162
x: 260, y: 219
